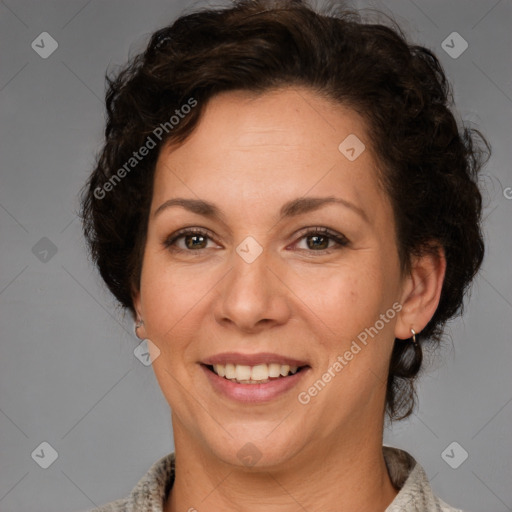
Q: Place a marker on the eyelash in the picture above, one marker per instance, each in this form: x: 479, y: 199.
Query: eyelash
x: 341, y: 240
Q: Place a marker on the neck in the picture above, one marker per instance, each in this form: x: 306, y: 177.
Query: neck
x: 345, y: 473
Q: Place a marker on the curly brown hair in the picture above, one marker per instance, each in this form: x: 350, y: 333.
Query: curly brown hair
x: 430, y: 165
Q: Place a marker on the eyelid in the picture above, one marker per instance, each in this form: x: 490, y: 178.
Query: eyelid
x: 339, y: 239
x: 318, y: 229
x: 171, y: 239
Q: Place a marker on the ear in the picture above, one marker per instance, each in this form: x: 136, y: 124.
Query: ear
x: 421, y: 292
x: 137, y: 305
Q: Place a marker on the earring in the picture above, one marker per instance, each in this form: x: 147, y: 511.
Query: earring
x: 138, y: 323
x: 413, y: 336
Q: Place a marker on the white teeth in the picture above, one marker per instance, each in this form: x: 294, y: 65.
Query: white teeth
x: 220, y: 370
x: 285, y: 370
x: 261, y: 373
x: 229, y: 371
x: 274, y: 370
x: 242, y: 372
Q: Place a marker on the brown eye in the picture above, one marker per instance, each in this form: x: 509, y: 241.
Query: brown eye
x: 318, y: 240
x: 193, y: 240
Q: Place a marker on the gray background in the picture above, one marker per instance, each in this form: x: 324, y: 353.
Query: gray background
x: 68, y: 375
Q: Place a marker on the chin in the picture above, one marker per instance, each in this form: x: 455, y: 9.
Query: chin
x: 261, y: 447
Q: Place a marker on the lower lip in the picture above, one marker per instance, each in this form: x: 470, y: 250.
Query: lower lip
x: 253, y: 393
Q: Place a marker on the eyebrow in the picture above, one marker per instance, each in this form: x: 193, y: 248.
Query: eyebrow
x: 292, y: 208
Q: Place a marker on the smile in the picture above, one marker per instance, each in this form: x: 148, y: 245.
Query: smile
x: 254, y: 384
x: 258, y: 374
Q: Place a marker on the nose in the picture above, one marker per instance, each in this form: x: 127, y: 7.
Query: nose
x: 253, y: 296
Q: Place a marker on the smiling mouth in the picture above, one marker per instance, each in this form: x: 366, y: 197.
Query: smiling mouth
x: 258, y: 374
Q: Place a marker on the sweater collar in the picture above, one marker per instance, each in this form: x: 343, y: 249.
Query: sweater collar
x: 415, y: 493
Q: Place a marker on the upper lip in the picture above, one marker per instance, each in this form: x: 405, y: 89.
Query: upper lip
x: 252, y: 359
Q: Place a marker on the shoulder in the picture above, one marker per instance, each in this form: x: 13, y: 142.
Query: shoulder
x: 447, y: 508
x: 120, y: 505
x: 151, y: 491
x: 415, y: 493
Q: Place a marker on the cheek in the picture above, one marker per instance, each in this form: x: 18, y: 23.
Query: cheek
x: 171, y: 299
x: 346, y: 298
x: 170, y: 296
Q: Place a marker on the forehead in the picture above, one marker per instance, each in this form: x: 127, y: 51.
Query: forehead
x: 284, y: 143
x: 286, y: 119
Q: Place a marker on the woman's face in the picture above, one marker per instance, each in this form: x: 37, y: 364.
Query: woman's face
x: 274, y: 275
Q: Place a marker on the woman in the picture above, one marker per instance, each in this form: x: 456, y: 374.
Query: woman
x: 286, y: 206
